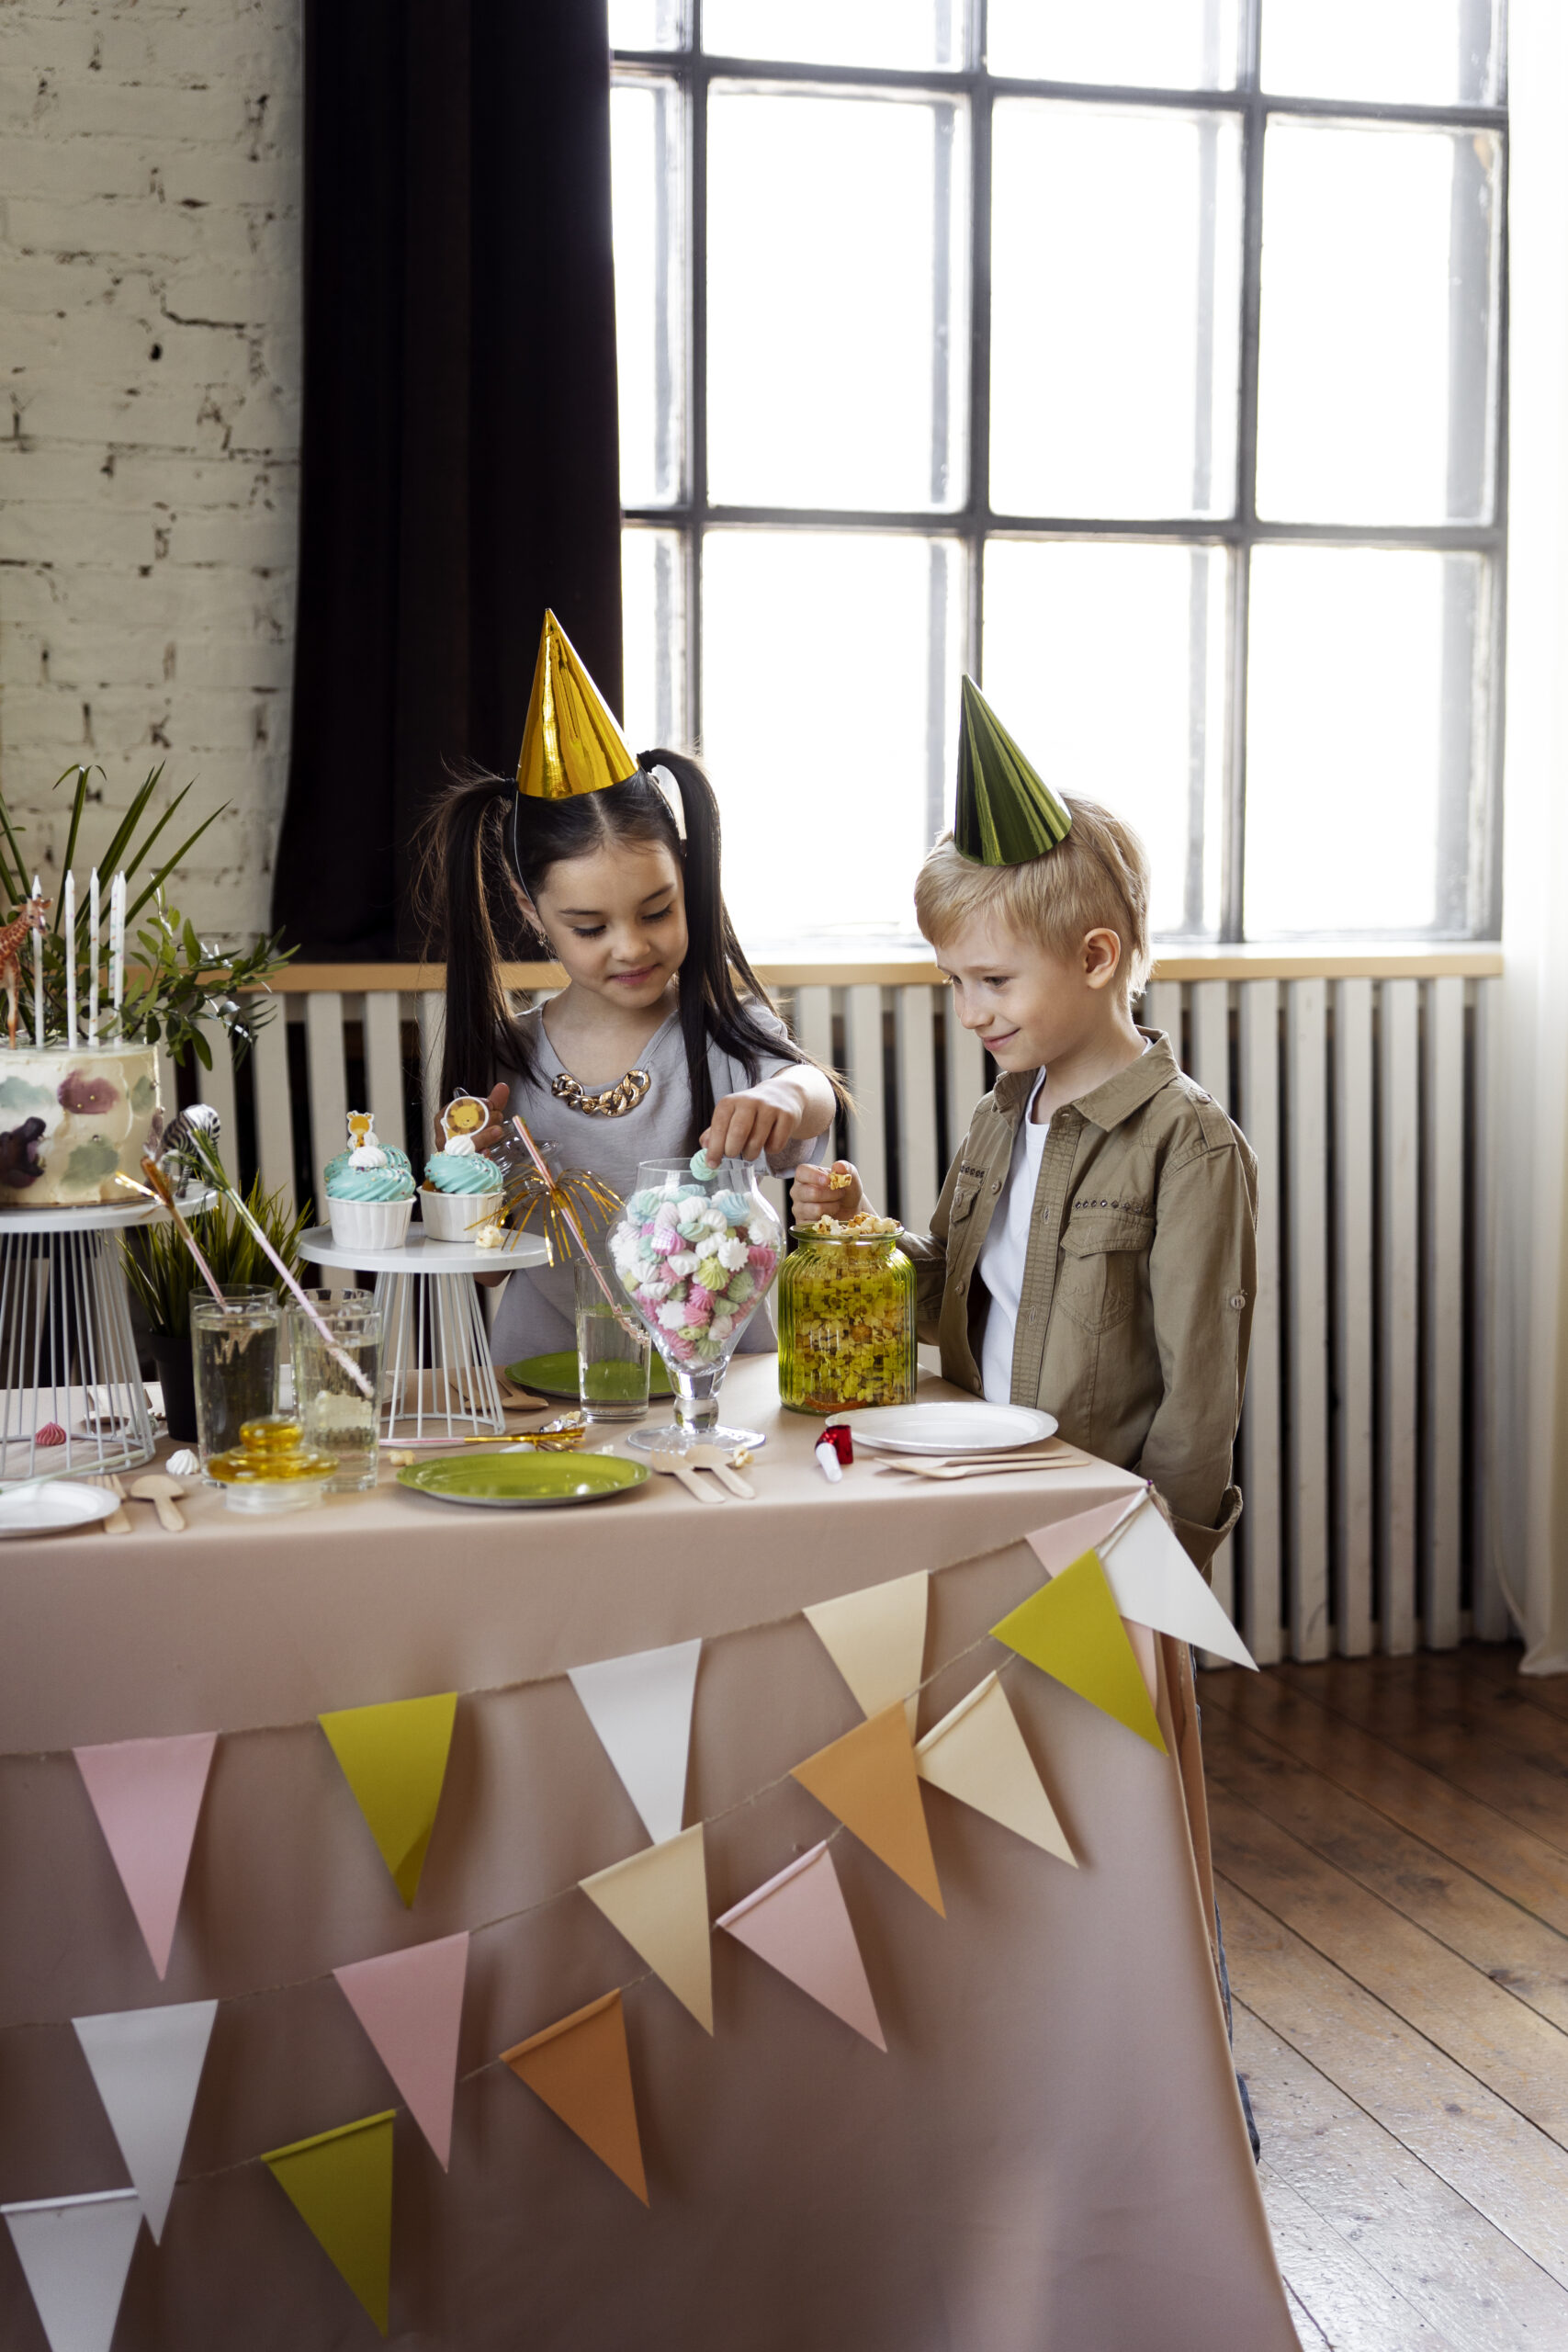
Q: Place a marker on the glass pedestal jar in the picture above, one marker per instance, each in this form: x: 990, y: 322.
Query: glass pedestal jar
x: 846, y: 1323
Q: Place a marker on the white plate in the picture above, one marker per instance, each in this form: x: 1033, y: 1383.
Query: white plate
x: 52, y: 1508
x: 950, y: 1429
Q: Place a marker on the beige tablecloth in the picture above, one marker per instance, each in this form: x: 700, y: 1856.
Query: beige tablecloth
x: 1049, y: 2158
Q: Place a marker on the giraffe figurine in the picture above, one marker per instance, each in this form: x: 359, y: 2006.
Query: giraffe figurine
x: 30, y: 919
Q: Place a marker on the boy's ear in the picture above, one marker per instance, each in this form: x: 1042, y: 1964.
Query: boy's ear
x: 1102, y: 957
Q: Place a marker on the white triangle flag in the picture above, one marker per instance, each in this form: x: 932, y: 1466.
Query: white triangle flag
x: 75, y: 2252
x: 1156, y: 1584
x: 877, y: 1638
x: 147, y: 2064
x: 641, y: 1707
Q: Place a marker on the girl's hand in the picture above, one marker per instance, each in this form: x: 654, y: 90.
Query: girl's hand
x: 747, y: 1124
x: 491, y: 1132
x: 812, y: 1196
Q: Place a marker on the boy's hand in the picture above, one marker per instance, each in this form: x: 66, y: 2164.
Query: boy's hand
x: 813, y: 1194
x: 744, y: 1126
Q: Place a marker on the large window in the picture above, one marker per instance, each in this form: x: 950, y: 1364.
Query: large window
x: 1141, y: 356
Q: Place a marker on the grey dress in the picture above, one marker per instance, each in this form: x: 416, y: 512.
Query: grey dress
x: 537, y: 1313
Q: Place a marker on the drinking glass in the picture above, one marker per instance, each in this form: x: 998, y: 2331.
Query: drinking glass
x: 332, y: 1410
x: 320, y: 1299
x: 234, y: 1352
x: 612, y: 1360
x: 695, y: 1257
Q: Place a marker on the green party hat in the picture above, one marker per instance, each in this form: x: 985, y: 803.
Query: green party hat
x: 1004, y: 814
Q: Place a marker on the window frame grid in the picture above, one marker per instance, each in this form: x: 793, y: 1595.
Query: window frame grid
x: 972, y: 523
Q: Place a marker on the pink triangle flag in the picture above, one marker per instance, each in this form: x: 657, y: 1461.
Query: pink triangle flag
x: 798, y: 1923
x: 147, y: 1794
x: 1067, y: 1539
x: 411, y: 2004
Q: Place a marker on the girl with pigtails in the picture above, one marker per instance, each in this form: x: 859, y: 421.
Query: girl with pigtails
x: 663, y: 1036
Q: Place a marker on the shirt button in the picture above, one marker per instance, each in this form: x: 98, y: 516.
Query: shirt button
x: 1239, y: 1300
x: 996, y: 1186
x: 960, y: 1284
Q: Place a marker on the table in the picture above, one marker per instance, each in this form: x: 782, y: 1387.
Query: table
x: 1052, y: 2153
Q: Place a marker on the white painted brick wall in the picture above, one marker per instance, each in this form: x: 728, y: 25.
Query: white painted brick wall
x: 150, y: 353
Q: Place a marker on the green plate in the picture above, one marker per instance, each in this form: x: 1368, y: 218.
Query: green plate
x: 522, y: 1481
x: 556, y: 1375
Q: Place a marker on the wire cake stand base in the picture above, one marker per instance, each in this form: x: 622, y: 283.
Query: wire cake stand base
x: 437, y: 1380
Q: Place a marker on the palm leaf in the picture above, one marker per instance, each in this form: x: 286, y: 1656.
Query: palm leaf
x: 112, y: 858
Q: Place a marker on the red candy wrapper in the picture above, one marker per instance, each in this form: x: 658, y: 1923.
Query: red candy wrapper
x: 842, y: 1439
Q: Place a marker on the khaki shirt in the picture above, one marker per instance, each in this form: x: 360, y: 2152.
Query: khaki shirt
x: 1138, y: 1283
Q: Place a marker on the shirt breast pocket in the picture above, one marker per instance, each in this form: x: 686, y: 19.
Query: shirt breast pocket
x: 965, y: 1193
x: 1104, y: 1263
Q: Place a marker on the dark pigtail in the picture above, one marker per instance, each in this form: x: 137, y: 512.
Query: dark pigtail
x: 463, y: 861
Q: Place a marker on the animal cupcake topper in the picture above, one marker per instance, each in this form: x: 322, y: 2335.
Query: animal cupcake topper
x: 461, y: 1121
x: 364, y: 1151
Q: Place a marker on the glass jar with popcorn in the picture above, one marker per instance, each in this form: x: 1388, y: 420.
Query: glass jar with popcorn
x: 846, y: 1317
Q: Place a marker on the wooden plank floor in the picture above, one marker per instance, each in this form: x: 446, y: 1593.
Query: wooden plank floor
x: 1390, y: 1839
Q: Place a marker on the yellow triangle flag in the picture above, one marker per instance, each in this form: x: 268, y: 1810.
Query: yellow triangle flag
x: 977, y: 1754
x: 868, y: 1779
x: 394, y: 1758
x: 340, y: 2183
x: 878, y: 1641
x: 659, y: 1901
x: 1070, y: 1629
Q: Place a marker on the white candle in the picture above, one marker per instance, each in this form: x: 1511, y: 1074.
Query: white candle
x: 38, y: 976
x: 93, y: 955
x: 117, y: 946
x: 71, y: 961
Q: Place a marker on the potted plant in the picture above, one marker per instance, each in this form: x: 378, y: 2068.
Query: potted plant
x: 164, y: 1276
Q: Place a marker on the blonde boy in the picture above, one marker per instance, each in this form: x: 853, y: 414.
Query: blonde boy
x: 1093, y: 1250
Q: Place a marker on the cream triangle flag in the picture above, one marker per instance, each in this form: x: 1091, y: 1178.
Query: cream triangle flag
x: 976, y: 1753
x: 877, y: 1638
x: 658, y: 1900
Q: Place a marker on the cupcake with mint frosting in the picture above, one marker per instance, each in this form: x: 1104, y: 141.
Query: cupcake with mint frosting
x: 461, y: 1193
x: 370, y: 1189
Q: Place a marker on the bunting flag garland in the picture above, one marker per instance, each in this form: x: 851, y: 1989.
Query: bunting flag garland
x: 147, y: 2064
x: 1072, y: 1630
x: 75, y: 2252
x: 1067, y: 1539
x: 659, y: 1901
x: 147, y: 1794
x: 878, y: 1641
x: 799, y: 1923
x: 1156, y: 1584
x: 976, y: 1754
x: 340, y: 2183
x: 394, y: 1758
x: 867, y: 1780
x: 411, y: 2005
x: 641, y: 1707
x: 579, y: 2066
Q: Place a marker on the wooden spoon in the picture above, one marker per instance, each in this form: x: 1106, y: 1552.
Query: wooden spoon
x: 162, y: 1491
x: 921, y: 1469
x: 677, y: 1465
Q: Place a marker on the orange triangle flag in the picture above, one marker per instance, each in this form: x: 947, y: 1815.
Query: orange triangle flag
x: 868, y: 1778
x: 1071, y: 1630
x: 580, y: 2068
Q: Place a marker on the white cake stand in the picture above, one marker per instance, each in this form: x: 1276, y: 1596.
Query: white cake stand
x: 437, y: 1380
x: 67, y: 1354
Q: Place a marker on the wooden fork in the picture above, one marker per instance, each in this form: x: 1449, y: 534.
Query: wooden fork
x: 677, y: 1465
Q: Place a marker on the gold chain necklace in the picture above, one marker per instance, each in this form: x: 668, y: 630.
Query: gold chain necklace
x: 610, y: 1100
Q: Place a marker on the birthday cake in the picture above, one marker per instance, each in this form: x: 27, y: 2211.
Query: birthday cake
x: 72, y: 1119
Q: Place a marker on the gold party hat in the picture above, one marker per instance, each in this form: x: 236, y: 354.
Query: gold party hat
x: 1004, y: 814
x: 571, y: 742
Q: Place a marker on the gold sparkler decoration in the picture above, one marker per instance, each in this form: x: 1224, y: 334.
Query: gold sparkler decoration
x: 560, y: 1204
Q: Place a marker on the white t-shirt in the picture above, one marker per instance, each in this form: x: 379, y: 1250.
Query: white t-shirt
x: 1004, y: 1249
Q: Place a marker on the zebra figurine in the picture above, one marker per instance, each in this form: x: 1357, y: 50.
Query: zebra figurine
x: 176, y: 1158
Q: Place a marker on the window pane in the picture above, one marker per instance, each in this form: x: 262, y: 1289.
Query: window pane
x: 830, y: 665
x: 1115, y: 250
x: 1431, y: 53
x: 646, y: 149
x: 1364, y: 709
x: 1376, y: 383
x: 1142, y: 44
x: 838, y: 301
x: 646, y: 23
x: 653, y: 606
x: 1107, y: 663
x: 837, y: 32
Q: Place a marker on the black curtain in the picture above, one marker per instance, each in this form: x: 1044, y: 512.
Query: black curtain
x: 459, y: 460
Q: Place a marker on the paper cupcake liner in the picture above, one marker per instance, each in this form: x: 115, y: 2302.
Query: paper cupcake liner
x: 457, y: 1216
x: 371, y: 1225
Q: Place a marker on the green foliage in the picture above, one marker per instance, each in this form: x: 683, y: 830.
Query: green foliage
x: 173, y: 979
x: 164, y: 1275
